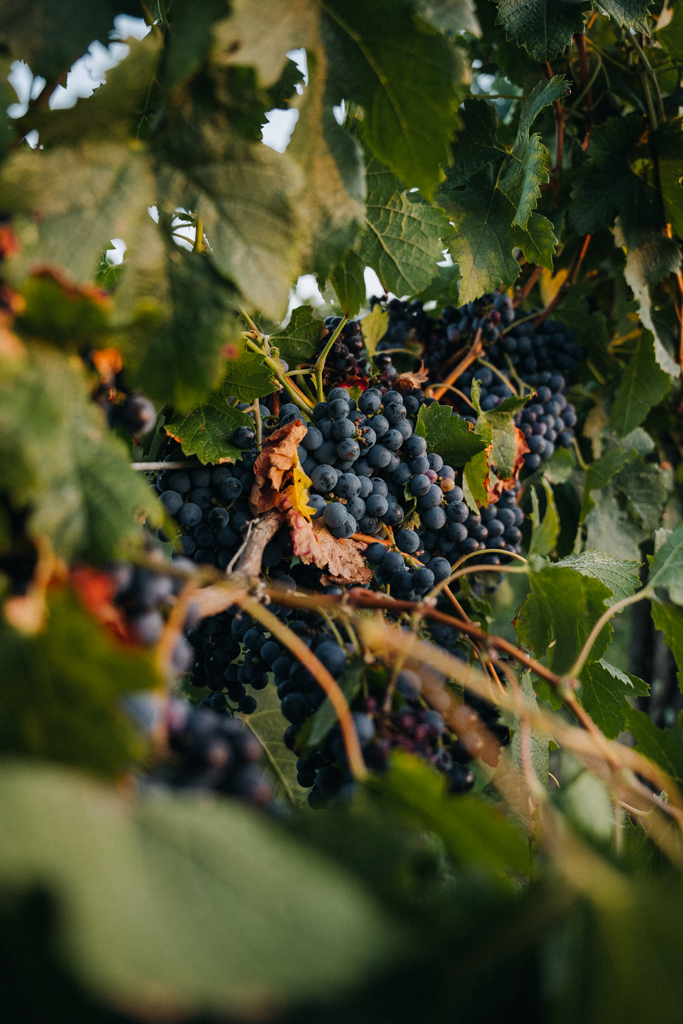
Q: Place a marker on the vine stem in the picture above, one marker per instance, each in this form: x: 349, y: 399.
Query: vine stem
x: 158, y: 467
x: 473, y: 354
x: 577, y: 260
x: 595, y: 632
x: 320, y: 363
x: 332, y: 689
x: 528, y: 285
x: 678, y: 305
x: 297, y: 396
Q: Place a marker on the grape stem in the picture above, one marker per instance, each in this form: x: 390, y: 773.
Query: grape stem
x: 473, y: 354
x: 595, y: 632
x: 158, y: 467
x: 320, y: 363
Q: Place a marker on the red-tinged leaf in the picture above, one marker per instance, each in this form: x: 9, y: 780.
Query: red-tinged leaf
x: 312, y: 542
x: 498, y: 484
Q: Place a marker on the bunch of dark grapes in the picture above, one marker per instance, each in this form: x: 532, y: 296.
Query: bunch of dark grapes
x: 544, y: 358
x: 214, y: 752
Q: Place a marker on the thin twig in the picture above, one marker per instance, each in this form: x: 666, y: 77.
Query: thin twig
x: 320, y: 362
x: 577, y: 260
x: 595, y: 632
x: 475, y: 350
x: 528, y: 285
x: 158, y: 467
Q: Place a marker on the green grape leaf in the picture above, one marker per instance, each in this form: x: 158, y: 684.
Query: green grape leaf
x: 124, y: 872
x: 543, y: 27
x: 50, y: 36
x: 563, y: 606
x: 316, y: 730
x: 374, y: 327
x: 333, y: 203
x: 490, y: 196
x: 348, y: 282
x: 472, y: 831
x: 207, y: 431
x: 666, y: 568
x: 401, y: 239
x: 669, y: 618
x: 599, y: 474
x: 643, y: 385
x: 544, y: 532
x: 605, y: 693
x: 190, y: 40
x: 632, y: 14
x: 183, y: 322
x: 268, y: 724
x: 453, y: 16
x: 526, y: 170
x: 247, y: 378
x: 449, y: 436
x: 621, y: 576
x: 406, y: 78
x: 671, y: 35
x: 60, y: 460
x: 647, y: 263
x: 79, y: 674
x: 610, y: 530
x: 113, y: 112
x: 539, y: 747
x: 476, y: 474
x: 663, y: 746
x: 504, y: 442
x: 298, y: 342
x: 644, y: 485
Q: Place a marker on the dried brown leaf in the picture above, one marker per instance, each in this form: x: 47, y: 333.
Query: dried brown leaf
x: 277, y: 458
x: 312, y: 542
x: 413, y: 380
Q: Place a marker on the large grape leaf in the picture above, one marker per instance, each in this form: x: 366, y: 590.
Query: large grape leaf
x: 348, y: 282
x: 621, y: 576
x: 406, y: 78
x: 645, y: 487
x: 605, y: 694
x: 333, y: 203
x: 401, y: 239
x: 78, y: 674
x: 544, y: 532
x: 663, y: 746
x: 207, y: 431
x: 666, y: 569
x: 51, y: 34
x: 490, y: 196
x: 449, y: 436
x: 298, y: 341
x: 630, y: 13
x: 543, y: 27
x: 268, y: 725
x: 643, y: 384
x: 599, y: 474
x: 610, y: 530
x: 59, y: 460
x: 247, y: 378
x: 563, y: 606
x: 175, y: 905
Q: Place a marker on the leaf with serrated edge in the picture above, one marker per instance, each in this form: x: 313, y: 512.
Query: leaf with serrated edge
x: 563, y: 606
x: 543, y: 27
x: 605, y: 693
x: 666, y: 570
x: 449, y: 436
x: 401, y: 240
x: 268, y: 725
x: 631, y: 13
x: 298, y: 341
x: 663, y: 746
x: 643, y: 384
x: 544, y: 531
x: 620, y: 575
x: 207, y: 432
x: 406, y: 78
x: 247, y: 378
x: 669, y: 618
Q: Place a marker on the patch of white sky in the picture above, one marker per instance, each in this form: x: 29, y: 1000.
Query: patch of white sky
x: 89, y: 72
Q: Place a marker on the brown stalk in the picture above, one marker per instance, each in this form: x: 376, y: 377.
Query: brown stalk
x: 679, y: 306
x: 528, y: 285
x: 567, y: 283
x: 474, y: 352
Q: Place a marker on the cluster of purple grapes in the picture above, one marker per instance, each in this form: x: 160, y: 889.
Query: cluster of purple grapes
x: 543, y: 358
x: 346, y: 359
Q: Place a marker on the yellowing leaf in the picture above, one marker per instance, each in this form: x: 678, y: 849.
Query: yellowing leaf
x: 297, y: 492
